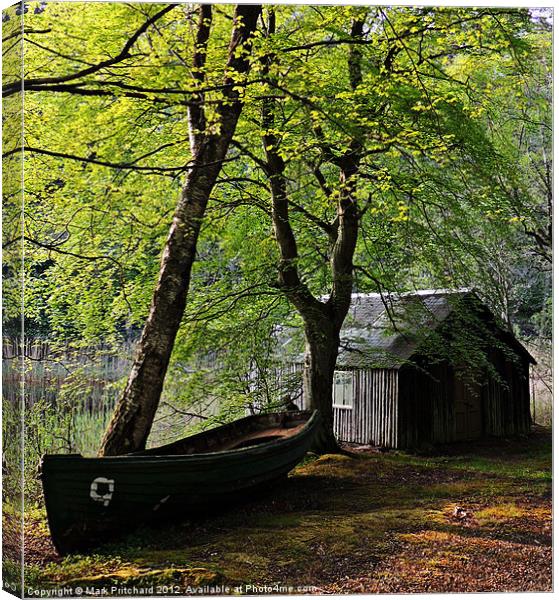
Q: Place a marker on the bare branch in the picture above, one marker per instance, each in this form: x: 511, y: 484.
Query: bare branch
x: 24, y: 32
x: 13, y: 88
x: 113, y: 165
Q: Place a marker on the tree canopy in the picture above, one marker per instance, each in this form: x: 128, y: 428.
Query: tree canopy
x: 432, y: 124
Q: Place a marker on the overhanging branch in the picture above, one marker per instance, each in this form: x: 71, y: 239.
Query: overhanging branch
x: 15, y: 87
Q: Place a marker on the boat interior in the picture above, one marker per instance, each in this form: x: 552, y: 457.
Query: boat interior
x: 244, y: 433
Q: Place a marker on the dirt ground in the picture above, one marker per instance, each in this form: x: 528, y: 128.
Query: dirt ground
x: 467, y: 519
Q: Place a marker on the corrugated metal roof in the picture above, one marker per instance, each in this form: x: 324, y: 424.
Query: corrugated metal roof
x: 384, y: 330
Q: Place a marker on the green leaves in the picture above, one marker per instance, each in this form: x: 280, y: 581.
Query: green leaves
x: 451, y: 168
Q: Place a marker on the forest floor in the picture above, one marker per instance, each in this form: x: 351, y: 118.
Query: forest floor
x: 475, y: 519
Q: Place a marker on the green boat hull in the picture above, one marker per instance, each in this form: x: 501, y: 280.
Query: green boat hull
x: 92, y: 500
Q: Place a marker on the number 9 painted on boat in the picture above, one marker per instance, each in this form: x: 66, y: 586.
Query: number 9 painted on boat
x: 104, y: 498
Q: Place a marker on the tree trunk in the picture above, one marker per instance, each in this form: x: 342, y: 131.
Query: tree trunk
x: 320, y: 364
x: 135, y: 410
x: 323, y: 321
x: 133, y: 417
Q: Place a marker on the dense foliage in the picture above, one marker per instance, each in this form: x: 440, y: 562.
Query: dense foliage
x: 454, y: 186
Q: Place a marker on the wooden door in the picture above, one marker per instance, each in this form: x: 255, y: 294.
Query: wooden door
x: 467, y: 409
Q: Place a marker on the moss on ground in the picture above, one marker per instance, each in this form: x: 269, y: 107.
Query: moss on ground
x: 378, y: 523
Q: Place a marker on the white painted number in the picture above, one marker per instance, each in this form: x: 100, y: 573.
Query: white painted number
x: 107, y: 496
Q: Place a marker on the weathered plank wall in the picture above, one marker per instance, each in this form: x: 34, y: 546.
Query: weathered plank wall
x: 344, y: 423
x: 373, y: 418
x: 427, y: 402
x: 426, y: 409
x: 506, y: 403
x: 412, y: 406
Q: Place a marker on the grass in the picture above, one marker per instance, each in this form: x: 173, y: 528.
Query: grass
x: 392, y: 522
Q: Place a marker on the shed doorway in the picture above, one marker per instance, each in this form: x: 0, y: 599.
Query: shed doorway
x: 467, y: 409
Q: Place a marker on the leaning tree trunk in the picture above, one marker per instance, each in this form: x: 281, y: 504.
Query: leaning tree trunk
x: 135, y: 410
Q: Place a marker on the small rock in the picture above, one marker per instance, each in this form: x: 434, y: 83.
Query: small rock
x: 461, y: 513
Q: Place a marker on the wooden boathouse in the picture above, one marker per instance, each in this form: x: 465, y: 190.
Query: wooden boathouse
x: 426, y: 368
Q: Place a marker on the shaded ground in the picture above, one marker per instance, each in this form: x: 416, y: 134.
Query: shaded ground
x: 382, y: 522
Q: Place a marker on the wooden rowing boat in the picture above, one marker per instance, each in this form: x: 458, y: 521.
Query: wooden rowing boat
x: 91, y: 500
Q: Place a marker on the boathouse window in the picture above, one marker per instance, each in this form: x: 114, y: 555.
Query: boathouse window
x: 343, y: 389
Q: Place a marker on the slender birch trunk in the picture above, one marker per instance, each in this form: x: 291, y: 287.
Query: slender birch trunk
x: 133, y: 417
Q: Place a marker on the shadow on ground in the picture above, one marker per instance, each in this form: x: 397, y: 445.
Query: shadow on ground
x: 460, y: 520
